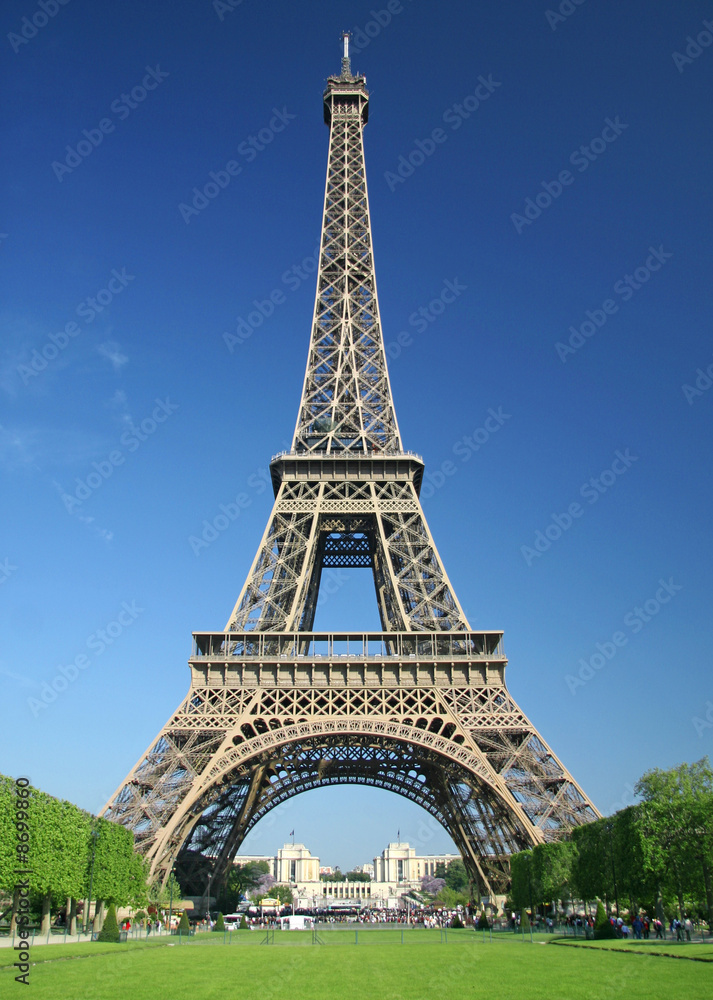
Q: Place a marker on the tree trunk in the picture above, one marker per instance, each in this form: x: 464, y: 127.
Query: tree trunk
x: 99, y: 914
x: 15, y: 904
x: 46, y: 904
x: 72, y: 915
x: 708, y: 883
x: 660, y: 915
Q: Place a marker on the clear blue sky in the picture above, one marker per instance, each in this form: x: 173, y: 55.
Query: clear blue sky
x: 104, y: 223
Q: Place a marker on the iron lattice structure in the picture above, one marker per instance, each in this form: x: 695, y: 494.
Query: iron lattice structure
x: 274, y: 708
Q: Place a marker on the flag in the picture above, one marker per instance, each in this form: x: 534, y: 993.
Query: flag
x: 292, y: 833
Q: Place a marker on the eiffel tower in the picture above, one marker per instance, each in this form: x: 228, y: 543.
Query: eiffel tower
x: 274, y: 708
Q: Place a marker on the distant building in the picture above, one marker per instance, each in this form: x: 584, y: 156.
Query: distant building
x: 294, y: 864
x: 367, y: 869
x: 244, y: 859
x: 399, y: 863
x: 397, y: 872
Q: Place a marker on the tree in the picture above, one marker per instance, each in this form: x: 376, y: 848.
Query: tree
x: 520, y: 874
x: 551, y: 872
x: 432, y: 885
x: 110, y: 929
x: 243, y: 924
x: 456, y: 876
x: 336, y: 876
x: 184, y: 926
x: 283, y: 893
x: 119, y: 873
x: 602, y: 925
x: 450, y: 898
x: 241, y: 881
x: 592, y: 861
x: 264, y: 884
x: 677, y: 819
x: 219, y: 924
x: 8, y: 842
x: 358, y: 877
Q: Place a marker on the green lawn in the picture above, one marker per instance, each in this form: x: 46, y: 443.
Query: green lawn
x: 294, y: 969
x: 692, y: 949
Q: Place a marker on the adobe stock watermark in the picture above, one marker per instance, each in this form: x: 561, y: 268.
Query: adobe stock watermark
x: 624, y: 288
x: 361, y: 37
x: 249, y: 149
x: 627, y: 799
x: 223, y: 7
x: 465, y: 448
x: 88, y: 309
x: 694, y: 47
x: 565, y: 10
x: 454, y: 116
x: 31, y: 26
x: 6, y: 570
x: 121, y: 106
x: 292, y: 279
x: 702, y: 724
x: 634, y: 621
x: 131, y: 439
x: 581, y: 158
x: 229, y: 512
x: 421, y: 318
x: 97, y: 643
x: 591, y: 491
x: 23, y: 866
x: 704, y: 380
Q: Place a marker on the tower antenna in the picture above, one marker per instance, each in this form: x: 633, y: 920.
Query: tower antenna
x: 346, y: 64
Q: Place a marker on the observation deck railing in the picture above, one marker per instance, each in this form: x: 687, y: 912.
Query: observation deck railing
x: 346, y: 646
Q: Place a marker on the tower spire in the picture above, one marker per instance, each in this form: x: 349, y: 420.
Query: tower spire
x: 346, y: 63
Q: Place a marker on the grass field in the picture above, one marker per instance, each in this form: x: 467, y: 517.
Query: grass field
x: 378, y: 968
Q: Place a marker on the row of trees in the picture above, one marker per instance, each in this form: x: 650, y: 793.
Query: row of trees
x: 67, y: 848
x: 449, y: 885
x: 251, y: 880
x: 340, y: 876
x: 657, y: 855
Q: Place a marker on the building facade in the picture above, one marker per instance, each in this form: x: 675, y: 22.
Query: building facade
x: 394, y: 874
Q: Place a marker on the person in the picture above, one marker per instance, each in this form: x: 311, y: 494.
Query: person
x: 688, y: 926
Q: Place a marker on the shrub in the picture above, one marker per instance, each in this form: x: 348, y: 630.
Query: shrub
x: 219, y: 924
x: 456, y: 922
x: 184, y: 926
x: 243, y: 924
x: 483, y: 923
x: 110, y: 929
x: 602, y: 927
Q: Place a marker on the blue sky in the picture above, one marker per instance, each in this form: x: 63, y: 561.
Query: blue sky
x: 567, y: 198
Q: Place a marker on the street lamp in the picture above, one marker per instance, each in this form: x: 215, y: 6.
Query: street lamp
x: 95, y: 835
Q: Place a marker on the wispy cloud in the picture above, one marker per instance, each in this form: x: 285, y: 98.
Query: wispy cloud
x: 22, y: 679
x: 25, y: 449
x: 111, y: 350
x: 88, y: 520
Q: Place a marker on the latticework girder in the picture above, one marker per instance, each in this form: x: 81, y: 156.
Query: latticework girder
x: 420, y: 708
